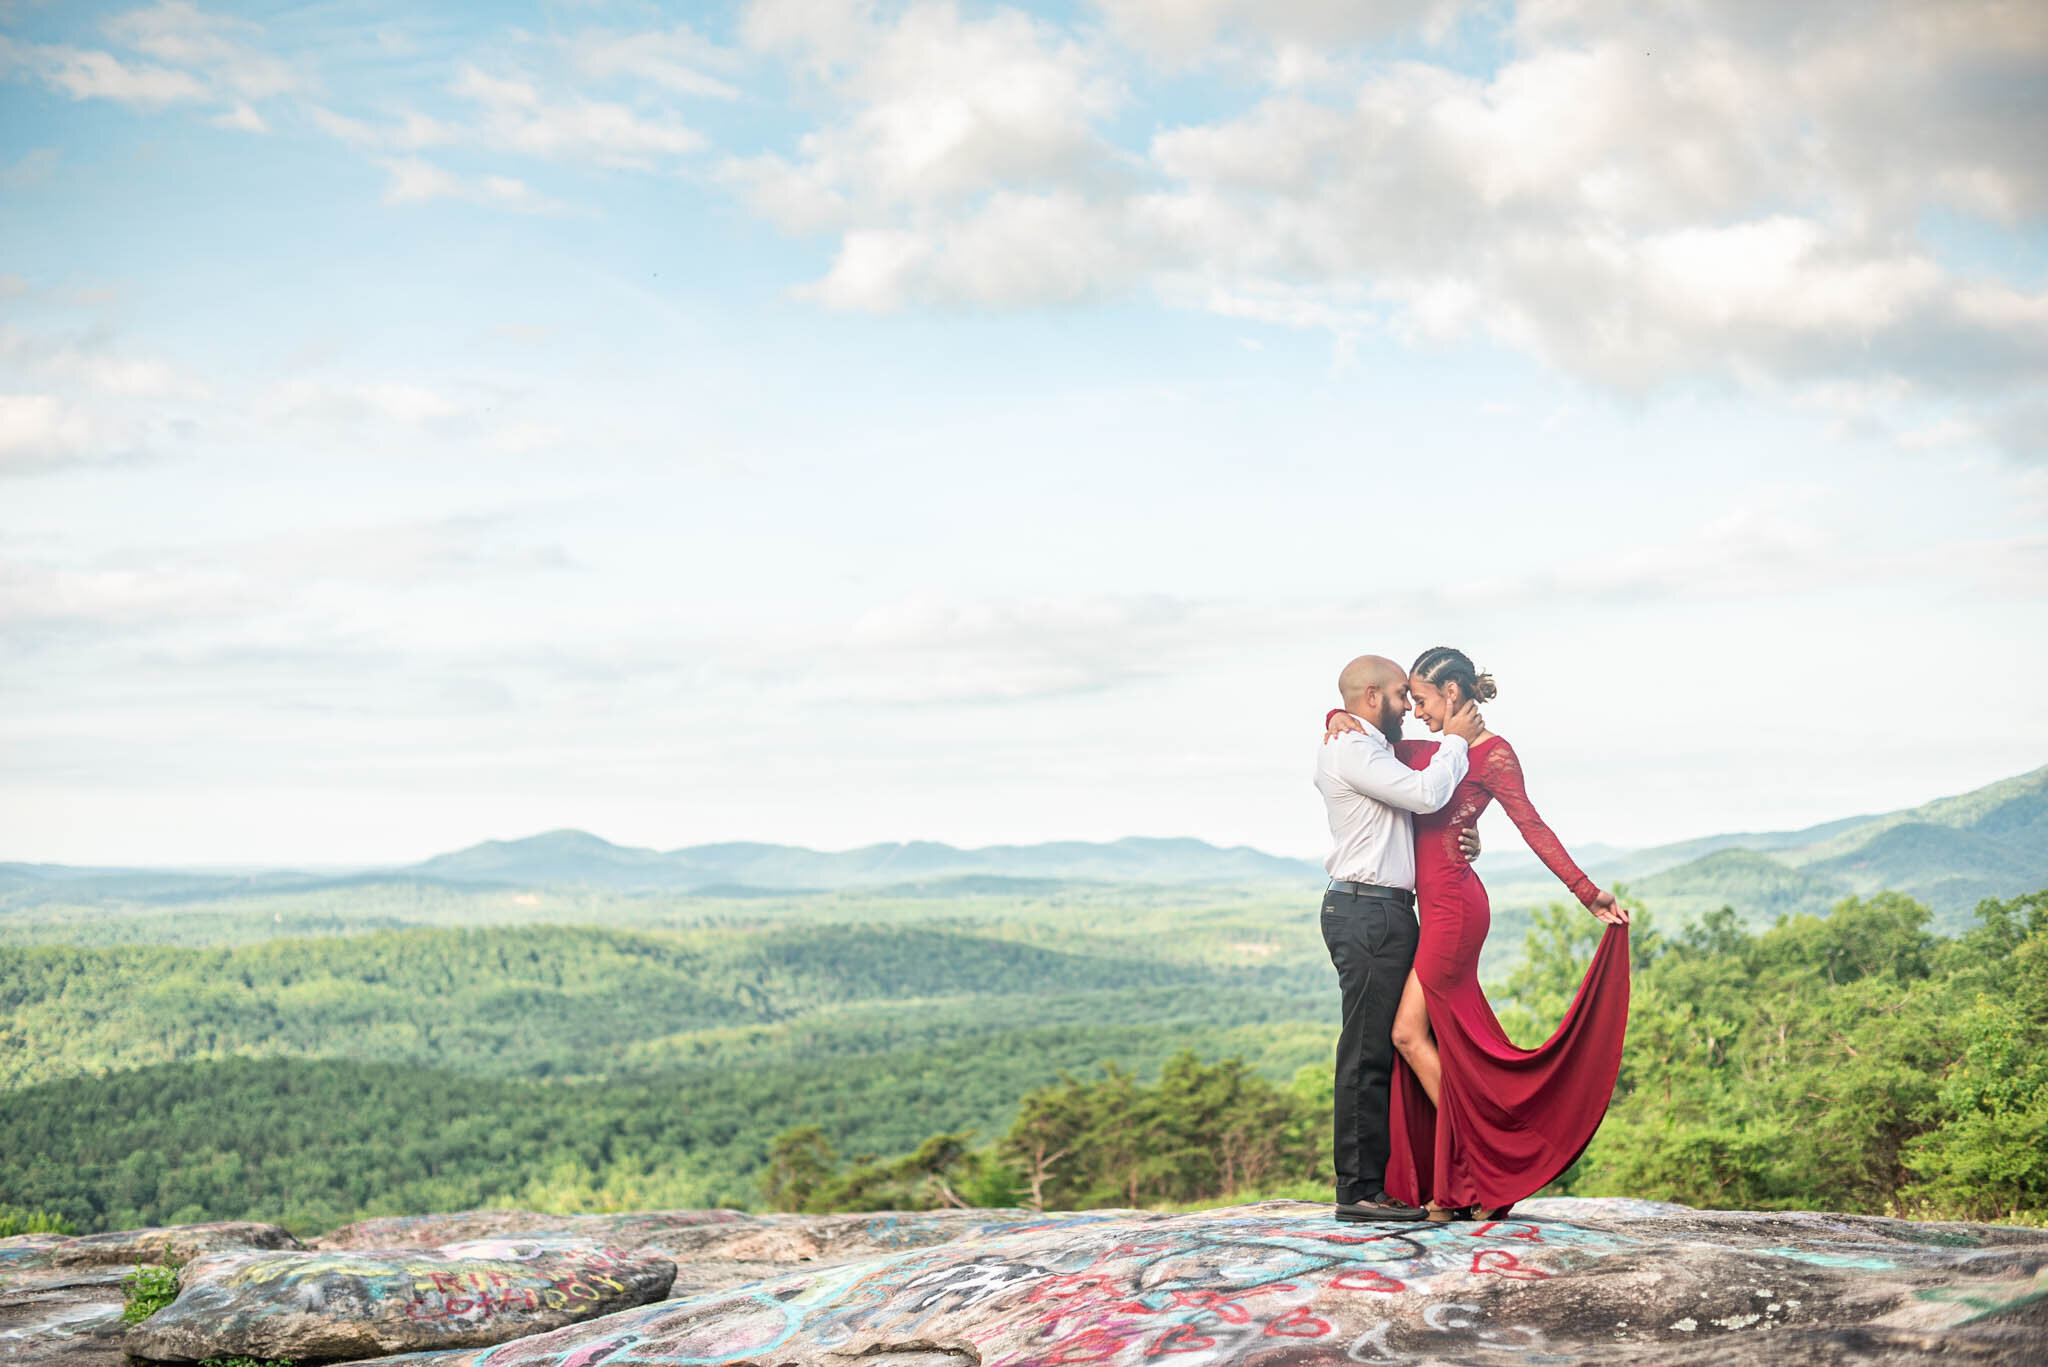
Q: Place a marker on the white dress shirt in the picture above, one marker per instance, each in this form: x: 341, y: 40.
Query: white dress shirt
x: 1370, y: 793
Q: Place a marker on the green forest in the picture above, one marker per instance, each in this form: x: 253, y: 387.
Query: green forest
x: 1853, y: 1061
x: 524, y: 1000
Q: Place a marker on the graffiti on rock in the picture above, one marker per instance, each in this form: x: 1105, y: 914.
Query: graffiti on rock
x: 1267, y: 1286
x: 1983, y: 1301
x: 472, y: 1281
x: 1816, y: 1259
x: 1089, y: 1289
x: 348, y: 1303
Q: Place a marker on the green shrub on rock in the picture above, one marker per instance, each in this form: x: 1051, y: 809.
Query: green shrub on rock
x: 149, y: 1289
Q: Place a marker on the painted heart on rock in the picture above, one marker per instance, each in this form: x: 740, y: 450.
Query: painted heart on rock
x: 1182, y: 1338
x: 1298, y: 1323
x: 1502, y: 1263
x: 1366, y: 1279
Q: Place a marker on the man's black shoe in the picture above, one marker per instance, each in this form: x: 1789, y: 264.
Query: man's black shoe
x: 1380, y: 1207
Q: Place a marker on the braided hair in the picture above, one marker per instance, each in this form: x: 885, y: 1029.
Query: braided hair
x: 1441, y: 665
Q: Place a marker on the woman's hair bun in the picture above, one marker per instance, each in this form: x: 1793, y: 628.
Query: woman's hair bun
x: 1443, y: 665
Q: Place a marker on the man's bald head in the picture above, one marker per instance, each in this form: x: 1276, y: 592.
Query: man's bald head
x: 1368, y: 672
x: 1375, y: 691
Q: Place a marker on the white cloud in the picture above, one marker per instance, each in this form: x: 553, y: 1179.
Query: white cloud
x: 522, y: 438
x: 514, y: 116
x: 244, y: 117
x: 140, y: 377
x: 94, y: 361
x: 412, y: 131
x: 2020, y: 427
x: 678, y: 60
x: 517, y: 114
x: 40, y: 432
x: 1016, y: 251
x: 1894, y: 103
x: 1637, y: 194
x: 930, y: 649
x: 942, y: 109
x: 415, y: 180
x: 196, y: 57
x: 183, y: 35
x: 398, y: 553
x: 253, y: 593
x: 85, y: 74
x: 34, y: 169
x: 1183, y: 30
x: 408, y: 405
x: 147, y: 595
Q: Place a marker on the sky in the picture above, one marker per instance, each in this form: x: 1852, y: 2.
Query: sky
x: 837, y: 421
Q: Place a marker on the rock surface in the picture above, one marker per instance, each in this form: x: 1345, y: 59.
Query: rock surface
x: 712, y: 1249
x: 434, y: 1231
x: 180, y: 1243
x: 61, y: 1296
x: 354, y: 1303
x: 62, y: 1315
x: 1565, y: 1281
x: 1282, y: 1283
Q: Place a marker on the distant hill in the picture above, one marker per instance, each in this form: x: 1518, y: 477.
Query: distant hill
x: 1949, y: 853
x: 28, y: 885
x: 577, y: 857
x: 1762, y: 886
x: 572, y: 859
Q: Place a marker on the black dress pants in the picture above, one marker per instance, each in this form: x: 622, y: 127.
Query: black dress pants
x: 1371, y: 939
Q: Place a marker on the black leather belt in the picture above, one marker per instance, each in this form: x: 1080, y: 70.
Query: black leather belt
x: 1401, y: 895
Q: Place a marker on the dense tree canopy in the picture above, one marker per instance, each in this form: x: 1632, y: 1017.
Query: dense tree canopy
x: 1852, y: 1061
x: 531, y: 1000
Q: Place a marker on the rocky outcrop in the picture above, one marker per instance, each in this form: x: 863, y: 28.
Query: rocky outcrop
x: 1281, y: 1282
x: 170, y: 1243
x: 433, y: 1231
x: 1273, y: 1283
x: 70, y: 1316
x: 341, y: 1304
x: 61, y: 1296
x: 711, y: 1248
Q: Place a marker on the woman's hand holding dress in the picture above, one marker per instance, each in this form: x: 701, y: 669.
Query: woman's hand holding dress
x: 1608, y: 909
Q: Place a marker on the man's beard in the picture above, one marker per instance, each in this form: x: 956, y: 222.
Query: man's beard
x: 1390, y: 722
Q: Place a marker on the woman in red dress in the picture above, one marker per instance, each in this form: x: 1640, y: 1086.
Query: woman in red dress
x: 1477, y: 1123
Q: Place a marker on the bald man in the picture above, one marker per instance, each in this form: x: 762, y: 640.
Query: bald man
x: 1369, y: 911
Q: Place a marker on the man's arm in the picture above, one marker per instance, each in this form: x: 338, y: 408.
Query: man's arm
x: 1376, y: 773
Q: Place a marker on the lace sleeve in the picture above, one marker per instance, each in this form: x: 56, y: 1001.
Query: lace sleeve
x: 1500, y: 773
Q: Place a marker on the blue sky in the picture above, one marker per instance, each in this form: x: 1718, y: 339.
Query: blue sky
x: 833, y: 422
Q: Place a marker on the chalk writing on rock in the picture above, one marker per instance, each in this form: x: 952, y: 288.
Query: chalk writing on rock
x: 1274, y: 1285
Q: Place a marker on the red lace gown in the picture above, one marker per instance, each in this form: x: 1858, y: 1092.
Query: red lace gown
x: 1508, y: 1121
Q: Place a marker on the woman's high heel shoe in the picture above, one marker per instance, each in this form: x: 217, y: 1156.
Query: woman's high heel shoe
x: 1443, y: 1215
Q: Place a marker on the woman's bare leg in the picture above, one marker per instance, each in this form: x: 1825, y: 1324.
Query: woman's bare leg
x: 1412, y: 1038
x: 1418, y: 1047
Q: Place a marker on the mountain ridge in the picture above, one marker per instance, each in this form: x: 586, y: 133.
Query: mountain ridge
x: 758, y: 864
x: 1948, y: 852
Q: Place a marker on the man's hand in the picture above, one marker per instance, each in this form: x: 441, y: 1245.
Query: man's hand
x: 1468, y: 843
x: 1341, y: 723
x: 1465, y: 723
x: 1607, y: 909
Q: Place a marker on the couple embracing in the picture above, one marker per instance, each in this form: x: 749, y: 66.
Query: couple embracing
x: 1439, y: 1115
